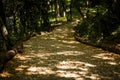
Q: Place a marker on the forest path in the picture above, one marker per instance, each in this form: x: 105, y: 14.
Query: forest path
x: 58, y: 56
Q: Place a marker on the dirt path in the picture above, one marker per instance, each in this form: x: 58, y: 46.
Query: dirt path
x: 57, y: 56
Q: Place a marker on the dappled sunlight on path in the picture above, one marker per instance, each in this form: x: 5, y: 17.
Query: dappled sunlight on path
x: 57, y: 56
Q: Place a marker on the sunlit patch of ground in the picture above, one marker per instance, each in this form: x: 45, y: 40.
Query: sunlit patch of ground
x: 5, y: 74
x: 57, y: 56
x: 75, y: 69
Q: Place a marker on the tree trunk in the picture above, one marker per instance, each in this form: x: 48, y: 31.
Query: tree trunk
x: 116, y: 5
x: 57, y: 10
x: 69, y: 18
x: 3, y: 29
x: 14, y: 16
x: 63, y: 8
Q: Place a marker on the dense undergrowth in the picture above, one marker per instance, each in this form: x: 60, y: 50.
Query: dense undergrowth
x: 100, y: 26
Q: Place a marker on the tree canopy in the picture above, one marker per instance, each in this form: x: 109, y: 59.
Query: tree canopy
x: 22, y: 18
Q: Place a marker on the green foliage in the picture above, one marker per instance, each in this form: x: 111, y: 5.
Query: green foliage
x: 100, y: 24
x: 27, y: 17
x: 33, y: 16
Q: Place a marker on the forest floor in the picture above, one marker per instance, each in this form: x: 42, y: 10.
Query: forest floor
x: 58, y: 56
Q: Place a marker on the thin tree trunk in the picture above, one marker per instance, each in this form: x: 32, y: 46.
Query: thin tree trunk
x: 57, y: 10
x: 70, y: 12
x: 116, y: 5
x: 14, y: 16
x: 64, y: 8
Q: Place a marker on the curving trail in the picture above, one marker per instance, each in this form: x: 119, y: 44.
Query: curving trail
x: 57, y: 56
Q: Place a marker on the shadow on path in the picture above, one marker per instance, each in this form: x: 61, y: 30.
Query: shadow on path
x: 57, y: 56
